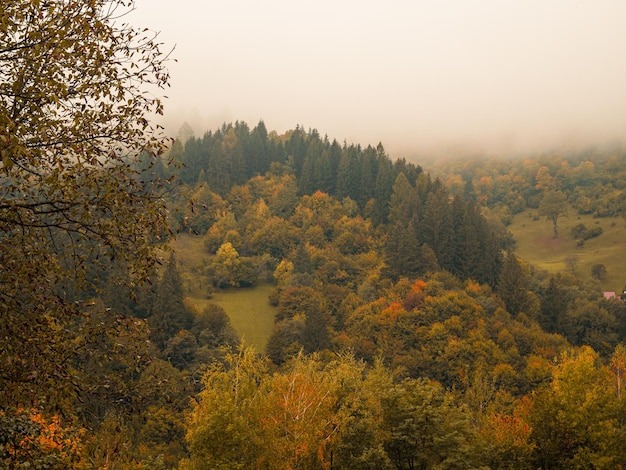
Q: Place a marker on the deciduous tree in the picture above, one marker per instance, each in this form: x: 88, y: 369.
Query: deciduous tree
x: 76, y: 87
x: 553, y: 205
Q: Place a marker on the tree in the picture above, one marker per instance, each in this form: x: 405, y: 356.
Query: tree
x: 383, y: 187
x: 220, y: 428
x: 572, y: 418
x: 513, y: 288
x: 553, y: 205
x: 589, y: 322
x: 309, y: 415
x: 401, y: 253
x: 169, y: 312
x: 437, y: 227
x: 426, y: 428
x: 618, y: 367
x: 349, y: 174
x: 29, y: 439
x: 598, y: 271
x: 73, y: 107
x: 554, y: 304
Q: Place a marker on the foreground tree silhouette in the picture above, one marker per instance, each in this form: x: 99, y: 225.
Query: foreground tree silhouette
x: 75, y: 90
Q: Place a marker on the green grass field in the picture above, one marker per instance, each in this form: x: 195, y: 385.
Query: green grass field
x: 536, y: 245
x: 249, y: 310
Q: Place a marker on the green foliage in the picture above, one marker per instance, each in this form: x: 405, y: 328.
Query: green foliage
x: 581, y: 231
x: 169, y: 314
x: 73, y: 107
x: 486, y: 345
x: 513, y: 288
x: 302, y: 322
x: 573, y: 417
x: 554, y: 303
x: 592, y: 181
x: 426, y: 428
x: 312, y: 412
x: 219, y: 429
x: 456, y: 369
x: 212, y: 327
x: 553, y: 205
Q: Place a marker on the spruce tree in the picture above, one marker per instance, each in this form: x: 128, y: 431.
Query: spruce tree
x: 169, y: 313
x: 513, y: 286
x: 402, y: 247
x: 554, y: 303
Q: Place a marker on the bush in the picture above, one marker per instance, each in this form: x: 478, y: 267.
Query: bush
x: 579, y: 231
x: 598, y: 271
x: 593, y: 233
x: 582, y: 232
x: 246, y: 273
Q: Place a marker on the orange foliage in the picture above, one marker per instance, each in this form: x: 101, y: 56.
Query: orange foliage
x: 48, y: 436
x: 508, y: 431
x: 472, y: 287
x: 418, y: 286
x: 343, y: 340
x: 391, y: 314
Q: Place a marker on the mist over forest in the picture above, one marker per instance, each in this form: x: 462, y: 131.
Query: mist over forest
x: 423, y: 78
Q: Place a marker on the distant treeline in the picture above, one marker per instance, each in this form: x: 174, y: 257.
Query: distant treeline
x: 425, y: 227
x: 234, y: 153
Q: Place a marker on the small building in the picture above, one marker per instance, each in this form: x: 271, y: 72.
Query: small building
x: 609, y: 295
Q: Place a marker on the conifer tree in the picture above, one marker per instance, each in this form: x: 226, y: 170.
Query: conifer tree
x: 233, y: 152
x: 368, y: 176
x: 436, y: 227
x: 169, y: 313
x: 554, y: 303
x: 383, y: 188
x: 513, y: 286
x: 402, y: 247
x: 257, y: 159
x: 348, y: 174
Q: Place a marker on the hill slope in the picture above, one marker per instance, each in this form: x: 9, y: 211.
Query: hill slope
x: 536, y: 245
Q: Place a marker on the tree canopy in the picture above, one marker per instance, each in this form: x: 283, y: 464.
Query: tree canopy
x: 77, y: 86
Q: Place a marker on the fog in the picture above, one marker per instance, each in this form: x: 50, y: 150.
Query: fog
x: 422, y: 77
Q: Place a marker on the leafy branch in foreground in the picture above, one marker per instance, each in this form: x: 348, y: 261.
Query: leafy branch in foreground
x: 76, y: 86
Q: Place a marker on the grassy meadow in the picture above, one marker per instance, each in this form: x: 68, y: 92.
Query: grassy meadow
x: 536, y: 245
x: 248, y: 308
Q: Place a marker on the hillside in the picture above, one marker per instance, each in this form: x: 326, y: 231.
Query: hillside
x: 536, y: 245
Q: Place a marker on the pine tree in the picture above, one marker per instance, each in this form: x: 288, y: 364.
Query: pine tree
x: 232, y: 151
x: 554, y: 303
x: 436, y: 227
x: 169, y: 313
x: 348, y: 174
x: 402, y: 247
x: 193, y: 161
x: 383, y: 188
x: 218, y: 170
x: 368, y: 176
x: 513, y: 286
x: 259, y: 160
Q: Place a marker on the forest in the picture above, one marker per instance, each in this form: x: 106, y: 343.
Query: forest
x: 407, y: 332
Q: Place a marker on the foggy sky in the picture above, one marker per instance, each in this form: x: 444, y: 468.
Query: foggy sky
x: 419, y: 76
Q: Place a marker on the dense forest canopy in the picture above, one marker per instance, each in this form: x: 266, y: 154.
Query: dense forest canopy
x: 406, y: 274
x: 407, y: 331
